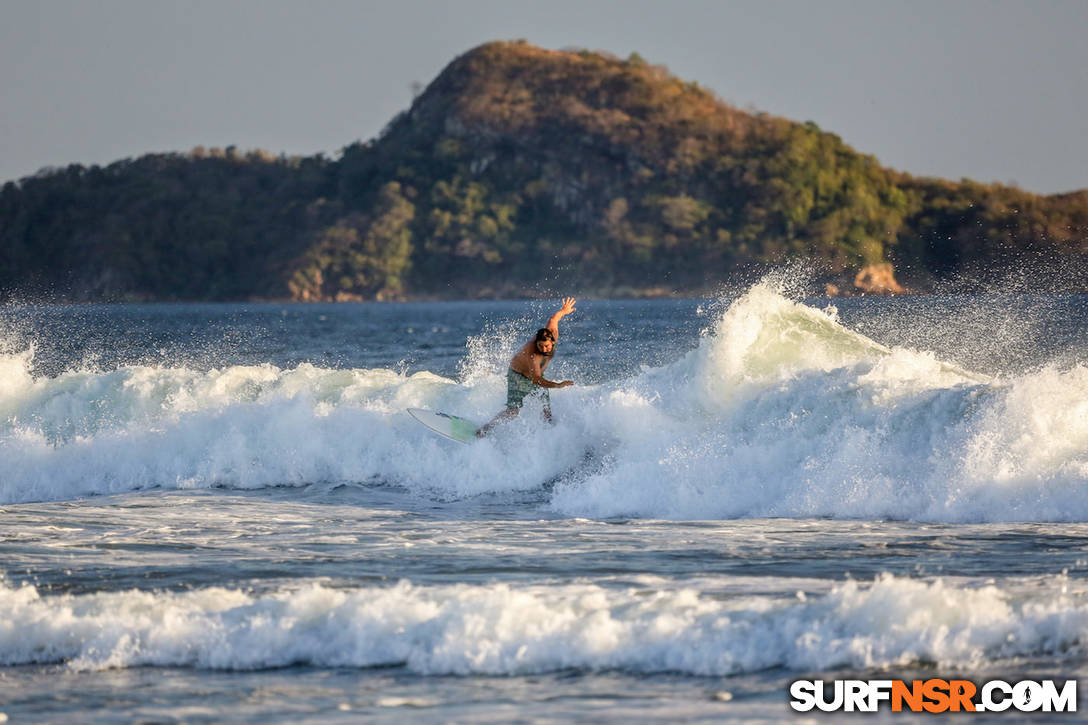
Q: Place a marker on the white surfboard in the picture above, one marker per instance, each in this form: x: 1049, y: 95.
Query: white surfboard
x: 461, y: 430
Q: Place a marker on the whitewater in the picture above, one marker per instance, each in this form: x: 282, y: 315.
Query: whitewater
x: 738, y: 492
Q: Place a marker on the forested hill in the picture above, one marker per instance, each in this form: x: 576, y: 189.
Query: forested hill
x: 523, y: 171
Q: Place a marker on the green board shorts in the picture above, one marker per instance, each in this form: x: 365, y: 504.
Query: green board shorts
x: 518, y: 387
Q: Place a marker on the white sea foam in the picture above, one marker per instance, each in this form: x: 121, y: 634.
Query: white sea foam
x: 505, y: 629
x: 779, y: 411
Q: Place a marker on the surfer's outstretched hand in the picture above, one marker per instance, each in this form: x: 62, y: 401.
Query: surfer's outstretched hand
x: 566, y: 309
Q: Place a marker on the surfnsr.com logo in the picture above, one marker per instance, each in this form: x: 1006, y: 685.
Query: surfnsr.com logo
x: 933, y: 695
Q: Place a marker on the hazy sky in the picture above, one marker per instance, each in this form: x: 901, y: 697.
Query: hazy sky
x: 992, y: 90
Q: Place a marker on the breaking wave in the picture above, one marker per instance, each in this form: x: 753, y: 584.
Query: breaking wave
x: 502, y: 629
x: 780, y: 410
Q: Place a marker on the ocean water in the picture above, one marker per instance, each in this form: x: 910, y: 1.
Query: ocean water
x: 222, y: 513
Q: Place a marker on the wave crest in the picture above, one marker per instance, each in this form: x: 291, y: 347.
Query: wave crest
x: 780, y: 410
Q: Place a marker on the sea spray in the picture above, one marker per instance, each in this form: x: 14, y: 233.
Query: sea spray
x: 781, y: 411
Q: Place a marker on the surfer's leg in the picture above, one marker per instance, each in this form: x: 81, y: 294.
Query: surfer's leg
x: 547, y: 400
x: 508, y: 414
x: 517, y: 385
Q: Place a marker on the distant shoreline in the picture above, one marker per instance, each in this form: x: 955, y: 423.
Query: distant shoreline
x: 632, y: 296
x: 521, y: 171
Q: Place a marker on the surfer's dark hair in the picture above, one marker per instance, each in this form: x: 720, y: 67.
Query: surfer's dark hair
x: 545, y: 334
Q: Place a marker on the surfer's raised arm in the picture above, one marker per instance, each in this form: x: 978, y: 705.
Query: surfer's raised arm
x: 553, y: 321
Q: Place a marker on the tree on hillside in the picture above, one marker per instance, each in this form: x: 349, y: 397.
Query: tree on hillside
x: 358, y: 256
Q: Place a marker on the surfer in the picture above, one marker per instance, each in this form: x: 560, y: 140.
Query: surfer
x: 526, y: 374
